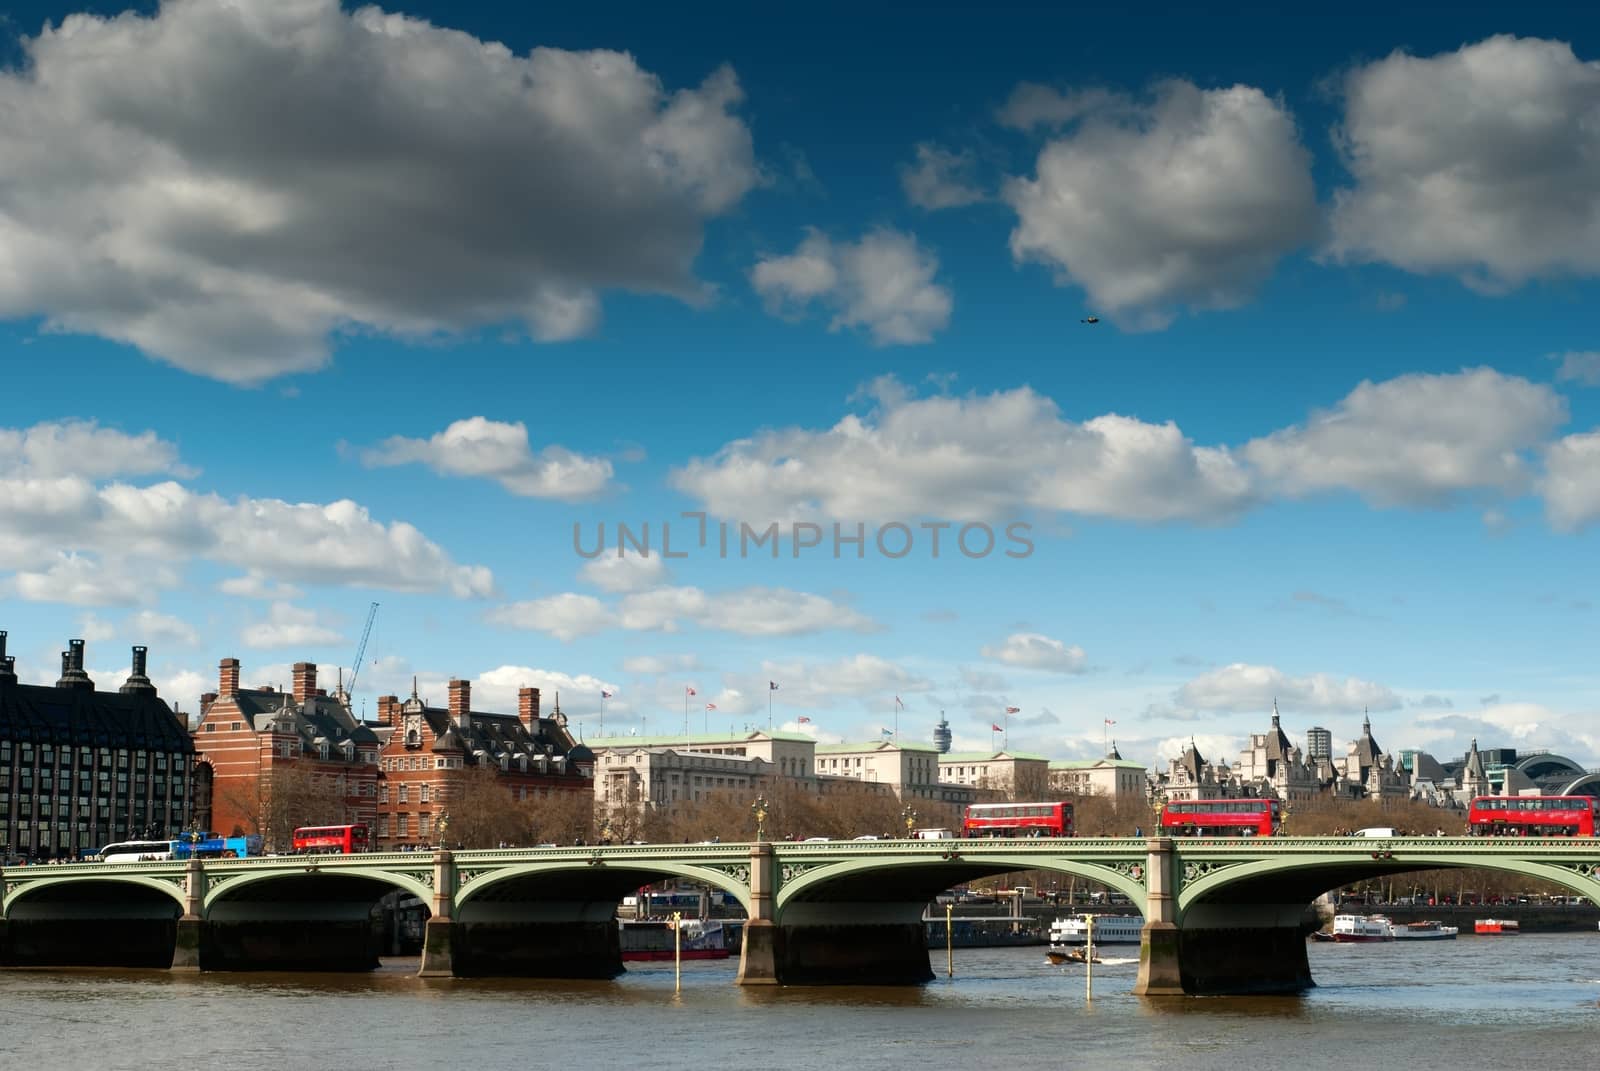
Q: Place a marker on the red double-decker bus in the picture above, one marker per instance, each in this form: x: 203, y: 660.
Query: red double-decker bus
x: 1531, y: 816
x: 330, y: 840
x: 1222, y: 818
x: 1018, y: 820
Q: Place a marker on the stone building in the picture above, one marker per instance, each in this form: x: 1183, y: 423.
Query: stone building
x: 1272, y: 767
x: 81, y: 768
x: 1113, y: 776
x: 426, y: 752
x: 1011, y: 774
x: 269, y: 760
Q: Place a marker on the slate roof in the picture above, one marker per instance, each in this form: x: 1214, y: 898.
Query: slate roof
x: 497, y: 735
x: 82, y: 717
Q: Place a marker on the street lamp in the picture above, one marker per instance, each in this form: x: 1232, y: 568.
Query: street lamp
x: 759, y: 810
x: 910, y: 818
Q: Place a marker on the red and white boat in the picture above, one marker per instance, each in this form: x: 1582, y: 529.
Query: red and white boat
x: 1503, y: 927
x: 1362, y: 929
x: 653, y: 939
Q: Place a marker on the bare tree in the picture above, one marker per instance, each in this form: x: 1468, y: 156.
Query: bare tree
x: 298, y: 794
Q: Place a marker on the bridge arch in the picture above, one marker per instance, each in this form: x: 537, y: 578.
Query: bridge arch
x: 1301, y: 879
x: 226, y: 886
x: 1586, y: 785
x: 476, y: 887
x: 30, y: 887
x: 922, y: 879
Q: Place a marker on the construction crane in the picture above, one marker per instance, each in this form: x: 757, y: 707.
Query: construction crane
x: 361, y: 650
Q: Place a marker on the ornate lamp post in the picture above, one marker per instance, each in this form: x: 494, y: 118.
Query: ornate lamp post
x: 758, y: 810
x: 910, y: 818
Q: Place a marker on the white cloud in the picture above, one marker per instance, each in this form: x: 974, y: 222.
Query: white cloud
x: 753, y: 611
x: 496, y: 689
x: 1416, y: 439
x: 149, y: 628
x: 92, y: 629
x: 1189, y: 200
x: 253, y: 585
x: 941, y: 179
x: 883, y: 283
x: 167, y: 184
x: 72, y: 541
x: 52, y: 449
x: 974, y: 458
x: 1571, y: 482
x: 1579, y: 368
x: 289, y: 626
x: 655, y: 665
x: 478, y: 446
x: 1031, y: 650
x: 623, y: 573
x: 1033, y: 105
x: 1478, y: 163
x: 1242, y: 688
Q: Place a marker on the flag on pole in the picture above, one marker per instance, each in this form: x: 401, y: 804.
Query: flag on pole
x: 898, y: 703
x: 1013, y: 710
x: 772, y: 686
x: 690, y: 691
x: 711, y: 706
x: 1110, y: 722
x: 886, y: 732
x: 605, y: 694
x: 995, y: 728
x: 804, y: 720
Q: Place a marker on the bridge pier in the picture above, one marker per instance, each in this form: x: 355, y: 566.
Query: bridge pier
x: 1160, y: 974
x: 438, y: 933
x: 758, y: 958
x: 186, y: 943
x: 1244, y: 949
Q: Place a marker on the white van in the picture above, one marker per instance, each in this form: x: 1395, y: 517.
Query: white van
x: 1374, y: 831
x: 934, y: 834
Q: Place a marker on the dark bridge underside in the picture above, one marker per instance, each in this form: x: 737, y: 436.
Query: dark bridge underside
x: 314, y: 922
x: 93, y: 924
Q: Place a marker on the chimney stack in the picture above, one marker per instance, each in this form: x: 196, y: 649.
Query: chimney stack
x: 305, y: 681
x: 386, y: 708
x: 8, y: 663
x: 528, y: 709
x: 460, y: 701
x: 138, y: 682
x: 228, y: 677
x: 72, y: 674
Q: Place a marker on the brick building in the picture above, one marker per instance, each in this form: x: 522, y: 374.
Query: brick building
x: 81, y: 768
x: 269, y: 760
x: 427, y: 750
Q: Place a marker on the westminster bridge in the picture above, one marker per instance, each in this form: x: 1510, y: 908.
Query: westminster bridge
x: 1221, y: 915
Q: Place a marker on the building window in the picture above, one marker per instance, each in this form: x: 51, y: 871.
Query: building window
x: 405, y: 796
x: 424, y: 795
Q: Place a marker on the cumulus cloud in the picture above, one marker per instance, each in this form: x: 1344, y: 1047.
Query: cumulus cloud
x: 624, y: 572
x: 655, y: 665
x: 1415, y: 440
x: 753, y: 611
x: 253, y: 585
x: 1579, y: 367
x: 224, y: 185
x: 971, y: 458
x: 496, y: 689
x: 1033, y: 105
x: 1031, y: 650
x: 940, y: 178
x: 1189, y: 199
x: 87, y: 580
x: 499, y: 451
x: 289, y: 626
x: 1571, y: 482
x: 149, y: 627
x: 52, y: 449
x: 1240, y: 688
x: 1478, y: 163
x: 883, y: 283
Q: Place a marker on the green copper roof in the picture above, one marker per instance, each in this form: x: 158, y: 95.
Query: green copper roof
x: 990, y: 756
x: 871, y: 745
x: 1089, y: 764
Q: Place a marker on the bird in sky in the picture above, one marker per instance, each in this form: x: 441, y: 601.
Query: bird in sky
x: 1090, y: 320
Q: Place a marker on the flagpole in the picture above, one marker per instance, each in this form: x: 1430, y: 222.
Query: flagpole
x: 602, y: 715
x: 686, y: 717
x: 770, y: 690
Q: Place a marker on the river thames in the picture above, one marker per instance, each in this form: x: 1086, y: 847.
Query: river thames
x: 1514, y: 1002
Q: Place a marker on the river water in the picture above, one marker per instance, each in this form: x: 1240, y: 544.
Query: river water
x: 1507, y: 1002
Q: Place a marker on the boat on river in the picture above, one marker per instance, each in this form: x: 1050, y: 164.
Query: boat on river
x: 1424, y: 931
x: 652, y: 939
x: 1072, y: 930
x: 1496, y: 927
x: 1362, y: 929
x: 1058, y: 955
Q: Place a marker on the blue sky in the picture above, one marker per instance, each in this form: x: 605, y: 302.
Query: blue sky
x: 1332, y: 441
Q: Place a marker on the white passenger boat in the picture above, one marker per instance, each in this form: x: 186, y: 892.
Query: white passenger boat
x: 1071, y: 930
x: 1424, y: 931
x: 1362, y: 929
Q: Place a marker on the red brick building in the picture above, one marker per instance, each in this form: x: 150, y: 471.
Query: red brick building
x: 426, y: 750
x: 268, y: 760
